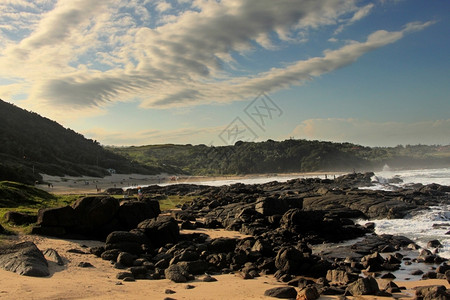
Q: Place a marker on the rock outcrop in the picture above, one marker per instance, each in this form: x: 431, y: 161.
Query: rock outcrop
x: 25, y: 259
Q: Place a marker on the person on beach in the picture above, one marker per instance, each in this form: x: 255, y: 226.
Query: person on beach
x: 139, y: 193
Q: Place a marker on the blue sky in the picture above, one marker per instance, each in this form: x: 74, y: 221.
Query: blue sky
x: 138, y: 72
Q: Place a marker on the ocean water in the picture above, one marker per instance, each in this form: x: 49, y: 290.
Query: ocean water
x: 423, y: 226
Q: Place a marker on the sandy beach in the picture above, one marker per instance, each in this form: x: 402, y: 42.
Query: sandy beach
x: 92, y: 185
x: 99, y: 282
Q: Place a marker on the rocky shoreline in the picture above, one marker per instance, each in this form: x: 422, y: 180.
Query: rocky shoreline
x: 282, y: 220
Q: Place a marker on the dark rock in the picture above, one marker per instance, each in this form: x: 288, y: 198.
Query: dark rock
x: 56, y: 217
x: 114, y: 191
x: 93, y: 212
x: 434, y: 244
x: 52, y: 255
x: 222, y: 245
x: 18, y: 218
x: 25, y: 259
x: 263, y: 247
x: 301, y: 283
x: 176, y: 273
x: 370, y: 225
x: 341, y: 276
x: 84, y: 264
x: 289, y: 260
x: 169, y: 291
x: 387, y: 249
x: 433, y: 292
x: 443, y: 268
x: 373, y: 262
x: 129, y: 279
x: 139, y: 272
x: 429, y: 275
x: 188, y: 225
x: 388, y: 276
x: 110, y: 254
x: 77, y: 251
x: 308, y: 293
x: 363, y: 286
x: 131, y: 213
x: 392, y: 287
x: 359, y: 204
x: 209, y: 278
x: 194, y: 267
x: 269, y: 206
x: 416, y: 272
x: 122, y: 275
x: 97, y: 251
x: 126, y: 259
x: 48, y: 230
x: 245, y: 275
x: 447, y: 275
x: 127, y: 241
x: 331, y: 290
x: 189, y: 287
x: 281, y: 292
x: 161, y: 231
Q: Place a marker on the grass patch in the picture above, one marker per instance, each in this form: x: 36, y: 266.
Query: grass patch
x: 174, y: 201
x: 27, y: 199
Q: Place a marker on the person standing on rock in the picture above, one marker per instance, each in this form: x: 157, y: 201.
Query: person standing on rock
x: 139, y: 193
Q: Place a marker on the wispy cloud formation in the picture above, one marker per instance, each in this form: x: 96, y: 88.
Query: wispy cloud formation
x: 358, y: 15
x: 85, y: 55
x: 372, y: 133
x: 144, y: 137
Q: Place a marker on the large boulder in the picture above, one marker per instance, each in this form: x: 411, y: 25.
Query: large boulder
x: 25, y: 259
x: 363, y: 286
x: 308, y: 293
x: 176, y: 273
x: 131, y: 213
x: 161, y: 231
x: 94, y: 212
x: 18, y: 218
x: 269, y: 206
x: 56, y: 217
x: 125, y: 241
x: 340, y: 276
x: 328, y: 227
x: 222, y: 245
x: 196, y: 267
x: 290, y: 260
x: 433, y: 292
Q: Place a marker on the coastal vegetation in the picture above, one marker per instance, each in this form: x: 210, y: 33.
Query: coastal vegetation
x: 285, y: 156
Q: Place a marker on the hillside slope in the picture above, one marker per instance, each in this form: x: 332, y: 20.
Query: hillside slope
x: 32, y: 144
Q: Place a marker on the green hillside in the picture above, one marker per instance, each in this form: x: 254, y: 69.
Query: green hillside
x: 31, y: 144
x: 285, y: 156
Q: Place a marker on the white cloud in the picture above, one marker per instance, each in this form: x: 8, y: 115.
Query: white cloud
x: 360, y: 13
x: 163, y: 6
x: 374, y: 133
x: 86, y: 55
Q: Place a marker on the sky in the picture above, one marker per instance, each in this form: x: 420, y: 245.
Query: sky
x: 140, y: 72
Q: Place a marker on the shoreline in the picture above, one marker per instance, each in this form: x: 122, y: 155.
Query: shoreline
x: 94, y: 185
